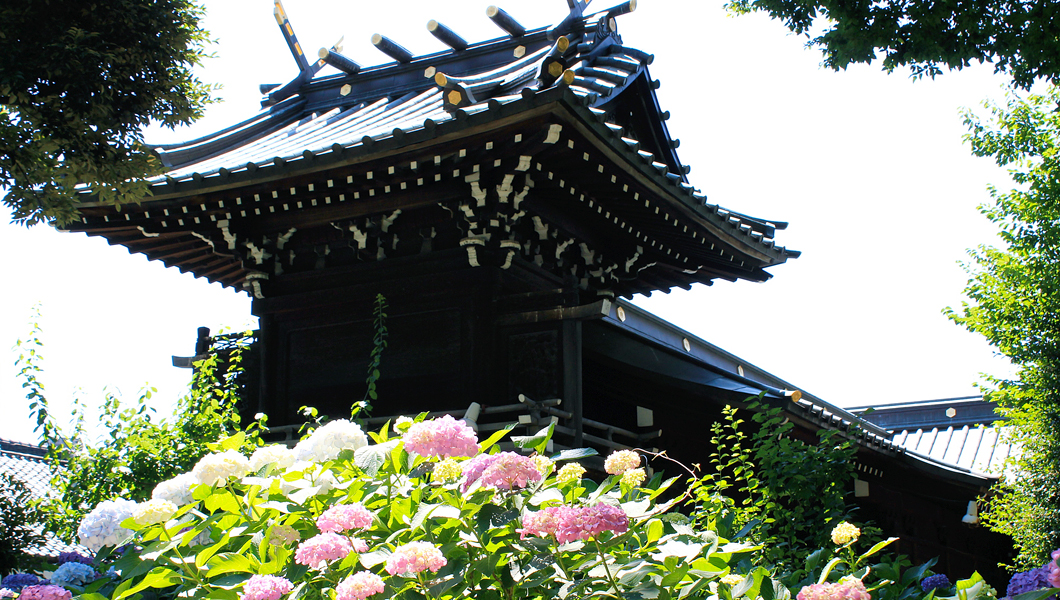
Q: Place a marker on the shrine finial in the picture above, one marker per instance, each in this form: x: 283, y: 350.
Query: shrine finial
x: 290, y: 38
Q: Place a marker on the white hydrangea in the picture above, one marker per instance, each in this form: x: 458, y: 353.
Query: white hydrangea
x: 280, y: 456
x: 154, y: 511
x: 327, y: 442
x: 213, y: 469
x: 102, y: 527
x: 176, y: 490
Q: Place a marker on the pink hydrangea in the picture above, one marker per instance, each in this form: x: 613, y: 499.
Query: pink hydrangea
x: 359, y: 546
x: 344, y: 517
x: 444, y: 438
x: 1053, y: 576
x: 319, y: 550
x: 413, y: 558
x: 45, y: 592
x: 844, y: 590
x: 473, y: 468
x: 359, y: 586
x: 590, y: 521
x: 543, y: 523
x: 504, y: 471
x: 266, y: 587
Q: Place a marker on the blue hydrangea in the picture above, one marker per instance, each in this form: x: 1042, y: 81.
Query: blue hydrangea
x: 74, y: 573
x: 17, y: 581
x: 935, y: 582
x: 1028, y: 581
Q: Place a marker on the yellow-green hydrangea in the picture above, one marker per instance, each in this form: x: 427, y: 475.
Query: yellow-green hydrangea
x: 845, y: 534
x: 732, y: 579
x: 570, y: 472
x: 543, y: 464
x: 634, y: 477
x: 447, y: 470
x: 153, y: 511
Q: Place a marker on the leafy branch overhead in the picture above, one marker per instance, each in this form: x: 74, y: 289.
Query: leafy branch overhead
x: 1018, y: 38
x: 78, y: 82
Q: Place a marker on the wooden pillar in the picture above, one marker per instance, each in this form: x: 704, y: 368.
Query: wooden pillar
x: 572, y: 375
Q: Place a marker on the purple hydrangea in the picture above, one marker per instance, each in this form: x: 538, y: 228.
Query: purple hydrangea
x: 17, y: 581
x: 1028, y: 581
x: 935, y: 582
x: 74, y: 557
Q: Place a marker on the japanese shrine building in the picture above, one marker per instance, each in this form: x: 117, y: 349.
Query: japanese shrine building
x: 504, y: 197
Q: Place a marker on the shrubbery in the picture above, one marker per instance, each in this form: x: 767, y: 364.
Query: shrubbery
x: 427, y: 511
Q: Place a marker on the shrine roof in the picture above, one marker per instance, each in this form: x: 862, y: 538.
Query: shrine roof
x: 576, y: 78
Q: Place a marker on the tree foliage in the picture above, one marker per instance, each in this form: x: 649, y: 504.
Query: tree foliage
x: 20, y: 525
x: 1014, y: 294
x: 78, y: 82
x: 790, y: 492
x: 1019, y: 38
x: 137, y: 450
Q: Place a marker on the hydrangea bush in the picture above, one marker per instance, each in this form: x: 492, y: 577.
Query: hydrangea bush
x: 427, y: 511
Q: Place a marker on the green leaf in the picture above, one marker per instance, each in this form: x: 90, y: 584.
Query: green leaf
x: 433, y: 511
x: 372, y: 458
x: 828, y: 569
x: 496, y: 437
x: 228, y: 562
x: 876, y: 548
x: 1037, y: 594
x: 538, y: 441
x: 234, y: 442
x: 574, y: 454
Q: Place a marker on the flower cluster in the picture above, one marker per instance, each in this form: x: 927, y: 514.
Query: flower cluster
x: 935, y: 582
x: 154, y: 511
x: 266, y: 587
x: 732, y: 579
x: 74, y: 573
x: 1054, y: 569
x: 590, y: 521
x: 215, y: 469
x: 447, y: 470
x: 319, y: 550
x: 176, y: 490
x: 845, y: 534
x: 283, y: 534
x: 344, y: 517
x: 570, y: 472
x: 45, y: 592
x: 359, y: 586
x: 276, y: 455
x: 102, y: 527
x: 444, y: 437
x: 504, y: 471
x: 568, y: 524
x: 415, y: 557
x: 634, y: 477
x: 621, y: 461
x: 327, y: 442
x: 17, y: 581
x: 1028, y: 581
x: 543, y: 523
x: 65, y: 557
x: 843, y: 590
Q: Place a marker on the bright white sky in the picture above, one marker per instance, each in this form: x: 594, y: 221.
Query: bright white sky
x: 869, y: 169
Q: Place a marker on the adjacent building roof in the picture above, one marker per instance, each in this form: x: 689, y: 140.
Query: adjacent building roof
x: 570, y: 107
x: 969, y: 455
x: 27, y: 463
x: 965, y: 432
